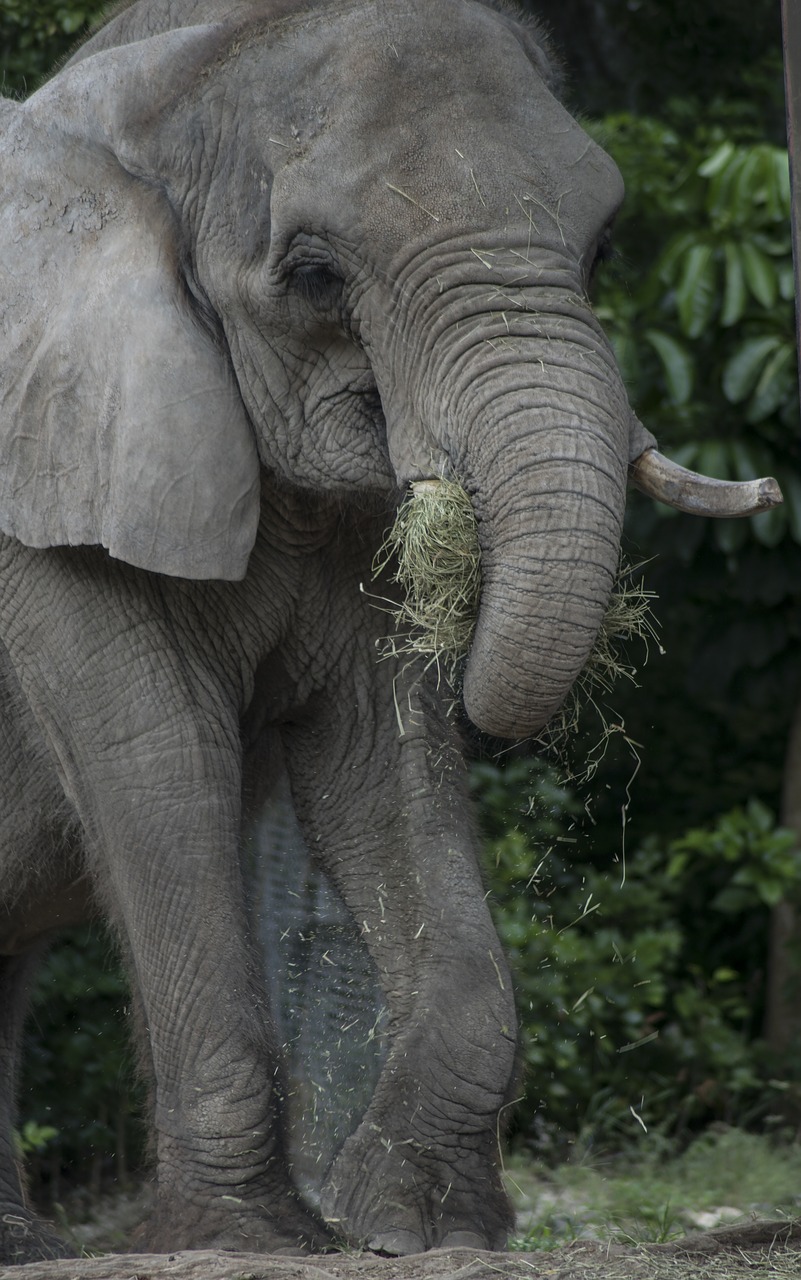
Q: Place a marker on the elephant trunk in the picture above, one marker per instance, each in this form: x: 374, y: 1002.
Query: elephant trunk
x: 526, y: 409
x: 546, y: 465
x: 550, y: 550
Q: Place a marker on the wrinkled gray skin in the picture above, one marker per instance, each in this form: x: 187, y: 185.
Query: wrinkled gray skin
x: 260, y: 271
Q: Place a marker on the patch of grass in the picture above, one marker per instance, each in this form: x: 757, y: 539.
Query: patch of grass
x: 544, y: 1236
x: 723, y: 1177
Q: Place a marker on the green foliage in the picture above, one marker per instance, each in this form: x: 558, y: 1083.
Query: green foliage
x: 35, y: 36
x: 766, y: 860
x: 699, y: 308
x: 79, y: 1104
x: 543, y: 1236
x: 639, y: 984
x: 704, y: 332
x: 723, y: 1175
x: 33, y: 1137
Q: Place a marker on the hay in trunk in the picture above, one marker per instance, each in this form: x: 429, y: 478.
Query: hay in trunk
x: 434, y: 546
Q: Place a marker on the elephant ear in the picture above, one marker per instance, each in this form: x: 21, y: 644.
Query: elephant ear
x: 120, y: 419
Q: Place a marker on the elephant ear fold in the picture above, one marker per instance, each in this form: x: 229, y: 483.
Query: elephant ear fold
x: 120, y: 419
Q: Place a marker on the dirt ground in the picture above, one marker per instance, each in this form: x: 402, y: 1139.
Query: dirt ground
x: 759, y: 1249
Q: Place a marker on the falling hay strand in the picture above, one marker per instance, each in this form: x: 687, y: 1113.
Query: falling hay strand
x: 434, y: 545
x: 628, y: 617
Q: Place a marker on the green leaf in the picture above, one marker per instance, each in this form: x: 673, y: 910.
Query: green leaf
x: 725, y: 974
x: 772, y: 189
x: 761, y: 274
x: 753, y: 183
x: 696, y: 290
x: 677, y: 365
x: 786, y: 276
x: 34, y: 1137
x: 720, y: 199
x: 718, y: 160
x: 742, y: 370
x: 735, y: 293
x: 775, y: 385
x: 781, y: 161
x: 669, y: 265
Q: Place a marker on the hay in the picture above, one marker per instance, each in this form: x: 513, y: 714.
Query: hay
x: 434, y: 545
x: 434, y: 550
x: 628, y: 617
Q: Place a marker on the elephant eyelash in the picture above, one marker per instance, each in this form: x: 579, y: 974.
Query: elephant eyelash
x: 604, y: 251
x: 316, y: 283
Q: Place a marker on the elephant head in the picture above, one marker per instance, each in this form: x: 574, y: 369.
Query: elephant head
x: 349, y: 244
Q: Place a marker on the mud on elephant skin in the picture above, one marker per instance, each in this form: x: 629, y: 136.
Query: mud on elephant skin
x: 265, y: 266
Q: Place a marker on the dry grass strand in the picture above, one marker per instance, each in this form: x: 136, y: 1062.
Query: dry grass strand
x: 434, y: 546
x: 628, y: 617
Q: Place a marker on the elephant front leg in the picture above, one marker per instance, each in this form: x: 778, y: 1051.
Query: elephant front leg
x: 222, y: 1175
x: 389, y: 808
x: 162, y: 811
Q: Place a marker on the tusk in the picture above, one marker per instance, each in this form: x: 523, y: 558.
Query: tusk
x: 655, y: 475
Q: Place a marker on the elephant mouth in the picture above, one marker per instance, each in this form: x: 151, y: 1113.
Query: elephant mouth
x: 433, y: 548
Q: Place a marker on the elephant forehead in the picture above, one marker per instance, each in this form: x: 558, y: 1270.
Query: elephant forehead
x: 419, y: 114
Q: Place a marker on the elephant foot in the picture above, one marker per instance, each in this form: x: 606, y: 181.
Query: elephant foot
x: 402, y: 1198
x: 286, y: 1228
x: 24, y: 1239
x: 396, y: 1244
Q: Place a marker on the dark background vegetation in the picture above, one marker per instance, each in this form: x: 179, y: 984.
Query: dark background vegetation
x: 642, y: 914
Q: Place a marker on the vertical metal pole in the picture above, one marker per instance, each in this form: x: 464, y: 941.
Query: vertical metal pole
x: 791, y: 26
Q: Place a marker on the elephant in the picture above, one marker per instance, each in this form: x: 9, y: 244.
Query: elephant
x: 267, y: 264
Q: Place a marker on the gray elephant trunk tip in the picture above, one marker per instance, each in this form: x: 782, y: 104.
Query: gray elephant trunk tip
x: 433, y: 550
x: 628, y: 617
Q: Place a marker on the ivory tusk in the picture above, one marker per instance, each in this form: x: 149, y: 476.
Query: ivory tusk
x: 655, y: 475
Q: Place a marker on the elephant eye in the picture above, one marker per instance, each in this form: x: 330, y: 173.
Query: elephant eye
x: 316, y: 282
x: 604, y: 252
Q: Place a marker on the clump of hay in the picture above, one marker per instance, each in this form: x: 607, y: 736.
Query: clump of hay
x: 628, y: 617
x: 434, y: 547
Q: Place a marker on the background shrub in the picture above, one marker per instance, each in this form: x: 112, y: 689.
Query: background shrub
x: 80, y: 1108
x: 640, y: 978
